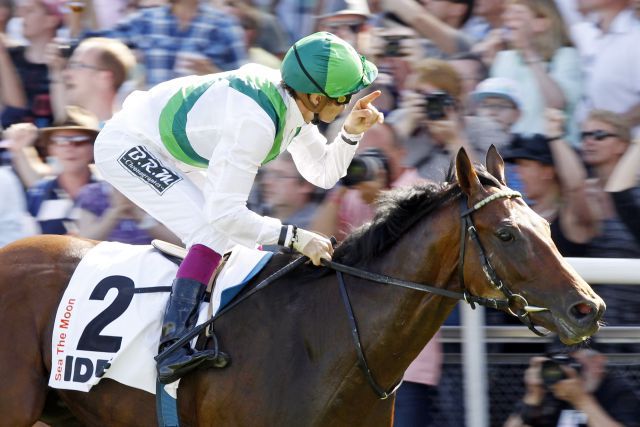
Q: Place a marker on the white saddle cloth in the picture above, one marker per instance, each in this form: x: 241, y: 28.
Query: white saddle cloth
x: 106, y: 326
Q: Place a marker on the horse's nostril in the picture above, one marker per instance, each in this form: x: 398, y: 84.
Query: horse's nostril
x: 582, y: 310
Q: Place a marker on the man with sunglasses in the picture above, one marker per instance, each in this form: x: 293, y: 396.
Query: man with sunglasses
x: 230, y: 124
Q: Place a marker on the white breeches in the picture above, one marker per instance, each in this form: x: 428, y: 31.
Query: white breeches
x: 154, y: 182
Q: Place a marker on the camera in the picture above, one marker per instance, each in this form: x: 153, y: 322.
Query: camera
x: 65, y: 50
x: 365, y: 167
x: 392, y: 47
x: 436, y: 104
x: 551, y: 370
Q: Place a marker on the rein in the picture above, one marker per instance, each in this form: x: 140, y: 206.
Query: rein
x: 467, y: 229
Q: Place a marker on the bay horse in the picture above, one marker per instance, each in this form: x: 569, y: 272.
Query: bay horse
x: 293, y: 356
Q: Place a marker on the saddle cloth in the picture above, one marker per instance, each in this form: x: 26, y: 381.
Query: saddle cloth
x: 109, y: 319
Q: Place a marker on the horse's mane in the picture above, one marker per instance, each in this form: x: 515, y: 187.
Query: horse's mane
x: 397, y: 211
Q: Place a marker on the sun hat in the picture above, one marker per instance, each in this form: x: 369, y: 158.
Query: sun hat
x: 500, y: 87
x: 77, y: 118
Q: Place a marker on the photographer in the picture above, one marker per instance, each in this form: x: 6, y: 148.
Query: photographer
x: 431, y: 125
x: 575, y: 390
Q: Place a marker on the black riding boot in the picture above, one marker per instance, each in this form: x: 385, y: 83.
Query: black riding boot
x: 180, y: 316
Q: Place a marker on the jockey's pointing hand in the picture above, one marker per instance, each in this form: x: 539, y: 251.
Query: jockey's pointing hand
x: 313, y: 245
x: 364, y: 115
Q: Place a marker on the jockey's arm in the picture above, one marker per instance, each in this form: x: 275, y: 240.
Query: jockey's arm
x: 320, y: 163
x: 230, y: 176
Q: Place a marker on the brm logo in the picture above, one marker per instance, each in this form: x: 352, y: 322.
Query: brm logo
x: 141, y: 163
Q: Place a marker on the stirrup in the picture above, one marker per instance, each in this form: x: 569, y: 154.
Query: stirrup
x: 196, y: 360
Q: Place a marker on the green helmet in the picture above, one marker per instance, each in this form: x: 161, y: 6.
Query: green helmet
x: 324, y: 63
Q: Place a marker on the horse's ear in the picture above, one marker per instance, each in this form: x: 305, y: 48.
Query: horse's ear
x: 466, y: 174
x: 495, y: 164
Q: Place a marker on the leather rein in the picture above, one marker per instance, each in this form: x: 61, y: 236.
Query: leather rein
x: 468, y: 230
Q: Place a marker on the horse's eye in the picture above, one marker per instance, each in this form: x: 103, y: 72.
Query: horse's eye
x: 505, y: 235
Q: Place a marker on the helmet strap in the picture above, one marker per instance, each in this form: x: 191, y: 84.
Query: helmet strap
x: 315, y: 109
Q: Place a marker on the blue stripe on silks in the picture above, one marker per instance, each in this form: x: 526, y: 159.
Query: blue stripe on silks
x: 166, y: 408
x: 228, y: 294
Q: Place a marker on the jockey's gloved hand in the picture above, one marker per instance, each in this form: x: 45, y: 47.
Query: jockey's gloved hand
x: 312, y: 245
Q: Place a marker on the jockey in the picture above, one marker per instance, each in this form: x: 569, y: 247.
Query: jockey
x: 227, y: 125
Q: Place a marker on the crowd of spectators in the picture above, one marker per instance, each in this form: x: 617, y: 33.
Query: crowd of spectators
x: 554, y: 84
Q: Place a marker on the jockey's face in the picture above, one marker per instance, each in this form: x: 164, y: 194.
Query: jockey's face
x: 331, y: 111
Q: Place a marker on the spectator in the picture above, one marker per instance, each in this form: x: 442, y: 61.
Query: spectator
x: 605, y: 139
x: 575, y: 390
x: 487, y: 16
x: 103, y: 213
x: 542, y: 61
x: 269, y: 33
x: 298, y: 17
x: 6, y: 12
x: 472, y: 70
x: 24, y: 80
x: 431, y: 142
x: 439, y: 22
x: 70, y: 145
x: 14, y: 218
x: 350, y: 24
x: 92, y: 77
x: 554, y: 182
x: 498, y: 99
x: 636, y: 7
x: 250, y: 21
x: 622, y: 185
x: 184, y: 37
x: 289, y: 197
x: 610, y: 60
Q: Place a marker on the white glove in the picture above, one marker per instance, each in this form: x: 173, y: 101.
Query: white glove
x: 312, y: 245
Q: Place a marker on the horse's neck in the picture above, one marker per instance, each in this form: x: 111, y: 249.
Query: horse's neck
x: 405, y: 320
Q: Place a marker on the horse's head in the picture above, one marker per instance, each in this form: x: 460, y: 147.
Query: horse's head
x: 519, y: 251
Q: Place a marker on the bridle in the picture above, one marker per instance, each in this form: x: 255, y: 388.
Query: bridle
x: 514, y: 303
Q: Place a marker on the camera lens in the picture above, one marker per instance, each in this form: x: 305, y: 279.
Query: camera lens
x: 551, y: 372
x: 364, y: 167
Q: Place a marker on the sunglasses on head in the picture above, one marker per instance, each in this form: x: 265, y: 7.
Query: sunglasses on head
x: 73, y: 140
x: 598, y: 135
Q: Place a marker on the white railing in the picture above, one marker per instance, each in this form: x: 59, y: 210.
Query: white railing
x: 474, y: 334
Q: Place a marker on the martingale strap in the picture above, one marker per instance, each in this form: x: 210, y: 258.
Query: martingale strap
x: 362, y: 360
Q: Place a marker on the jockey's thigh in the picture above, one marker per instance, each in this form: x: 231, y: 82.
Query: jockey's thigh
x: 152, y: 180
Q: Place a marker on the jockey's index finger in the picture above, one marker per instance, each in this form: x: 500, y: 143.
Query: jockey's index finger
x: 366, y: 100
